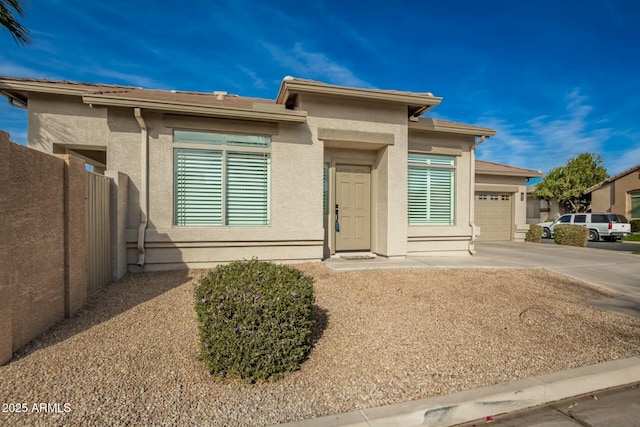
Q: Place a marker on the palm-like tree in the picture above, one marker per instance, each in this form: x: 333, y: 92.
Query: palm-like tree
x: 7, y: 19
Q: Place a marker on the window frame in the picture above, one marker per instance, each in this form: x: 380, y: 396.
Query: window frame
x: 431, y: 162
x: 228, y: 145
x: 634, y: 202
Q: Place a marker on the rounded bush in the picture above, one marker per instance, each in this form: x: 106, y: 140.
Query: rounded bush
x: 635, y: 225
x: 534, y: 234
x: 571, y: 235
x: 254, y: 319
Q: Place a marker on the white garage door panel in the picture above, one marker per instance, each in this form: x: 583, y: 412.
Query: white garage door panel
x: 493, y: 213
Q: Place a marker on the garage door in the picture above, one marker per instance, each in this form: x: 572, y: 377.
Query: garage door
x: 493, y: 214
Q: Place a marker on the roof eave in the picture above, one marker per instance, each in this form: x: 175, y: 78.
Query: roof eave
x: 525, y: 174
x: 613, y: 178
x: 198, y: 110
x: 41, y: 87
x: 289, y: 87
x: 457, y: 128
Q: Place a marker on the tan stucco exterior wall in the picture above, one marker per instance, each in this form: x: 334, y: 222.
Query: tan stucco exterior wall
x: 65, y: 120
x: 517, y: 187
x: 614, y: 196
x: 298, y: 230
x: 43, y: 243
x: 445, y: 239
x: 388, y: 162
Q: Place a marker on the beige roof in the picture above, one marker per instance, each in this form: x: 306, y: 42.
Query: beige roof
x: 201, y: 103
x: 216, y: 104
x: 77, y: 88
x: 613, y: 178
x: 417, y: 102
x: 484, y: 167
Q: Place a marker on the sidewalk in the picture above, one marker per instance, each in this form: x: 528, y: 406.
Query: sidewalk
x: 477, y: 404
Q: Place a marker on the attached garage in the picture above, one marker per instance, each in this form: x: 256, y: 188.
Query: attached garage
x: 500, y: 203
x: 494, y: 216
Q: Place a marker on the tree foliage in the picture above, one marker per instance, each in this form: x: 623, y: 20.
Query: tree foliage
x: 8, y: 20
x: 568, y: 183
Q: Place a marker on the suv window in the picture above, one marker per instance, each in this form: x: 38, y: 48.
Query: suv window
x: 599, y: 218
x: 565, y: 219
x: 580, y: 219
x: 618, y: 218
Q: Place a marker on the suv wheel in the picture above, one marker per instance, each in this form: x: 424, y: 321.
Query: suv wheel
x: 546, y: 233
x: 593, y: 236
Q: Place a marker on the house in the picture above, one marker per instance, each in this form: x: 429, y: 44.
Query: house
x: 539, y: 210
x: 619, y: 194
x: 501, y: 204
x: 322, y: 169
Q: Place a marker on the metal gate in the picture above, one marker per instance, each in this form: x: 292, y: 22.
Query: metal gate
x: 98, y: 231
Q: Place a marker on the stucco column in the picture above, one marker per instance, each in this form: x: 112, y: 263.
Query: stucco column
x: 392, y: 199
x: 119, y: 198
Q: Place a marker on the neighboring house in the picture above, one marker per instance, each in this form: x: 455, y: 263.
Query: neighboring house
x: 539, y: 210
x: 501, y: 205
x: 619, y: 194
x: 320, y: 170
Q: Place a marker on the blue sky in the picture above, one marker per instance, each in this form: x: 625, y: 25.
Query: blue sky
x: 554, y: 78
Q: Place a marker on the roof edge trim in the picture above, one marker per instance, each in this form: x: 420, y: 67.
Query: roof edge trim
x: 435, y: 125
x: 190, y: 109
x: 295, y: 86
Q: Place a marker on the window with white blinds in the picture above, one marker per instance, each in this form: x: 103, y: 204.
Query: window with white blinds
x: 431, y: 188
x: 226, y: 184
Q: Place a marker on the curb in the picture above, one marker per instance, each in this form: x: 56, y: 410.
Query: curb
x: 479, y: 403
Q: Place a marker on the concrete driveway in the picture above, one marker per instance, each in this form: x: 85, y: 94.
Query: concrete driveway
x: 617, y: 271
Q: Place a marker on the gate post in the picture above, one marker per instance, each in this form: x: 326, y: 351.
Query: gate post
x: 75, y: 241
x: 119, y: 203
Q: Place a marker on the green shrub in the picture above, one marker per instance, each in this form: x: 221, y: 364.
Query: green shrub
x: 570, y: 234
x: 534, y: 234
x: 254, y: 319
x: 635, y: 225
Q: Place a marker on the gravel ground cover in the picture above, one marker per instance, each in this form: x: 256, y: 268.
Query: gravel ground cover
x: 130, y: 357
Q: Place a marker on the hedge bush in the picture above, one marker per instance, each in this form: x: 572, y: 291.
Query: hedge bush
x: 254, y: 319
x: 570, y: 234
x: 534, y: 234
x: 635, y: 225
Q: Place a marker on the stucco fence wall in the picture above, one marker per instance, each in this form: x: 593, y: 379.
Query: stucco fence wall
x: 43, y: 242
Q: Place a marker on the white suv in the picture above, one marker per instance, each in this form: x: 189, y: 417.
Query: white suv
x: 607, y: 226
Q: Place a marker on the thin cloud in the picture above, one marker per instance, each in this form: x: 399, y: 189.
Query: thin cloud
x: 258, y: 82
x: 624, y: 160
x: 315, y: 65
x: 14, y: 70
x: 129, y: 79
x: 546, y: 142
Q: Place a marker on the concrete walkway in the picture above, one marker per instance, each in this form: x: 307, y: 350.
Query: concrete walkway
x: 619, y: 272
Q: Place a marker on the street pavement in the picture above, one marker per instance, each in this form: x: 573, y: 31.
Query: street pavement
x: 616, y: 407
x: 611, y: 246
